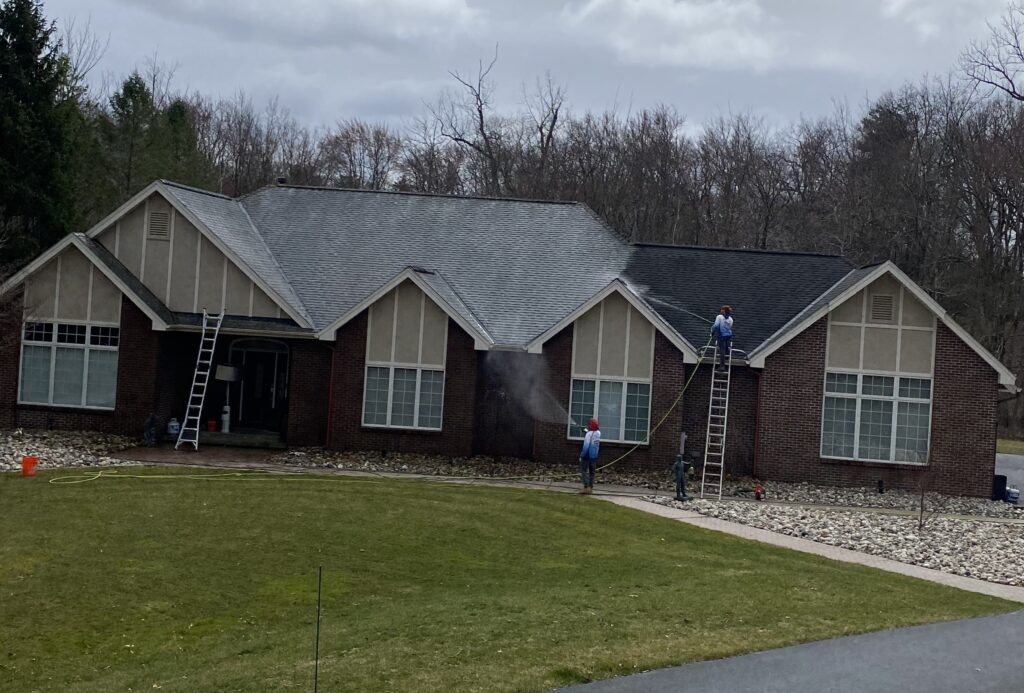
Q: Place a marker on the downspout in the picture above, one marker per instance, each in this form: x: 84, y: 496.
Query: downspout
x: 330, y: 394
x: 757, y: 424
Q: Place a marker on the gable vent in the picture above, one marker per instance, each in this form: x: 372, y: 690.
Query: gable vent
x: 882, y: 307
x: 159, y: 225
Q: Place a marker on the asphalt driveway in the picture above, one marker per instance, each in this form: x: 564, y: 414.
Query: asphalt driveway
x: 974, y: 656
x: 1013, y: 467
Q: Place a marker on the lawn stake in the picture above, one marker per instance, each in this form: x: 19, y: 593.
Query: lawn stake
x: 316, y: 660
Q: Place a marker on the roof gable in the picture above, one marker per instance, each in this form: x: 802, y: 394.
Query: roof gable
x: 652, y: 316
x: 222, y: 221
x: 126, y: 283
x: 436, y: 289
x: 853, y: 283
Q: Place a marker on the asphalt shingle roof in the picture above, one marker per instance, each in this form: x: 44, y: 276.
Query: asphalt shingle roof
x: 510, y: 268
x: 519, y: 266
x: 687, y: 286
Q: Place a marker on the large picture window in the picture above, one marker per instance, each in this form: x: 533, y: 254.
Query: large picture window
x: 876, y: 418
x: 403, y: 397
x: 622, y: 408
x: 69, y: 364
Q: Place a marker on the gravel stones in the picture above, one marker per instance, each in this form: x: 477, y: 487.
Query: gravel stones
x: 476, y: 466
x: 61, y: 448
x: 984, y: 549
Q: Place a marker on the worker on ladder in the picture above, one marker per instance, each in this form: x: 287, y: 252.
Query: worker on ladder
x: 722, y: 332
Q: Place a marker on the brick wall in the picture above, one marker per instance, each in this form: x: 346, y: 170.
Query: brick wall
x: 550, y: 444
x: 136, y: 385
x: 962, y: 449
x: 346, y: 431
x: 308, y: 390
x: 739, y: 443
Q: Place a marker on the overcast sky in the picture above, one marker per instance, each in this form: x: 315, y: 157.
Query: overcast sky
x: 380, y: 59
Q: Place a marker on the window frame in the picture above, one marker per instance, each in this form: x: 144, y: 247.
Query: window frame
x: 573, y: 432
x: 895, y: 399
x: 391, y: 394
x: 53, y: 344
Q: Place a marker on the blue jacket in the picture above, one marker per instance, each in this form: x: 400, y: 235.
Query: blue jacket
x: 722, y: 326
x: 591, y: 445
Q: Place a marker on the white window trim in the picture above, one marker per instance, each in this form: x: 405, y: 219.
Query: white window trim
x: 895, y: 399
x: 53, y: 345
x: 572, y: 432
x: 391, y: 392
x: 392, y: 365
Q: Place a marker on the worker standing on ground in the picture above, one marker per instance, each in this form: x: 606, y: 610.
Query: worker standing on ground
x: 722, y: 331
x: 588, y: 456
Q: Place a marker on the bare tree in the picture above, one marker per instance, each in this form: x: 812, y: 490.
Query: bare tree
x: 998, y: 61
x: 358, y: 154
x: 465, y: 120
x: 83, y: 49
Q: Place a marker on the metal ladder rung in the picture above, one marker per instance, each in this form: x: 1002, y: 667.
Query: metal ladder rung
x: 189, y: 432
x: 713, y: 473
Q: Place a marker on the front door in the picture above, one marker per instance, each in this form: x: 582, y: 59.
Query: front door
x: 263, y: 388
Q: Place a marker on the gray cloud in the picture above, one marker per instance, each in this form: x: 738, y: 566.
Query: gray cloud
x: 381, y: 59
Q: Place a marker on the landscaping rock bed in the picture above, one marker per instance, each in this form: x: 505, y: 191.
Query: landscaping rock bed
x: 987, y: 550
x: 476, y: 466
x: 61, y: 449
x: 809, y: 494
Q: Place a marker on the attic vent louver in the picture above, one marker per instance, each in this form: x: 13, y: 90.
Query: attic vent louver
x: 882, y: 306
x: 159, y: 226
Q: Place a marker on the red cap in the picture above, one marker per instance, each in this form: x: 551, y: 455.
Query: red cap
x: 592, y: 426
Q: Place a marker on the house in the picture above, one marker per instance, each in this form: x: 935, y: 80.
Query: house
x: 460, y: 325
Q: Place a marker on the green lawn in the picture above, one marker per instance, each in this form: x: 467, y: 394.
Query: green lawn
x: 1010, y: 446
x: 190, y: 585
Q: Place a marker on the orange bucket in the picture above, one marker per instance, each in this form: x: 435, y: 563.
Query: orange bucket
x: 28, y: 466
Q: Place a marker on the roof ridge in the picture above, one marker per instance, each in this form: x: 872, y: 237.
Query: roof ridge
x: 766, y: 251
x: 412, y: 193
x: 194, y: 189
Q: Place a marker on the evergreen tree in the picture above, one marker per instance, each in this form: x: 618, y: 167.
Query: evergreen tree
x: 33, y: 210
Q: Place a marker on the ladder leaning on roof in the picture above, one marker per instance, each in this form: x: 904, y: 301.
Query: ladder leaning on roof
x: 718, y: 419
x: 189, y: 432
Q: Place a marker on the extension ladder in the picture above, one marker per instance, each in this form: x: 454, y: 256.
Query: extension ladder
x: 189, y: 432
x: 718, y: 417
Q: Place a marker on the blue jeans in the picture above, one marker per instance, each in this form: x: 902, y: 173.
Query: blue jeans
x: 724, y: 346
x: 588, y: 468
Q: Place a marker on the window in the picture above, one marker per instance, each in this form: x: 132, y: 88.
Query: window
x: 403, y: 397
x: 405, y: 359
x: 876, y: 418
x: 622, y: 408
x: 69, y: 364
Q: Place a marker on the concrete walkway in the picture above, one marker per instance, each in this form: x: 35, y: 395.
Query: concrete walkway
x: 982, y: 655
x: 806, y: 546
